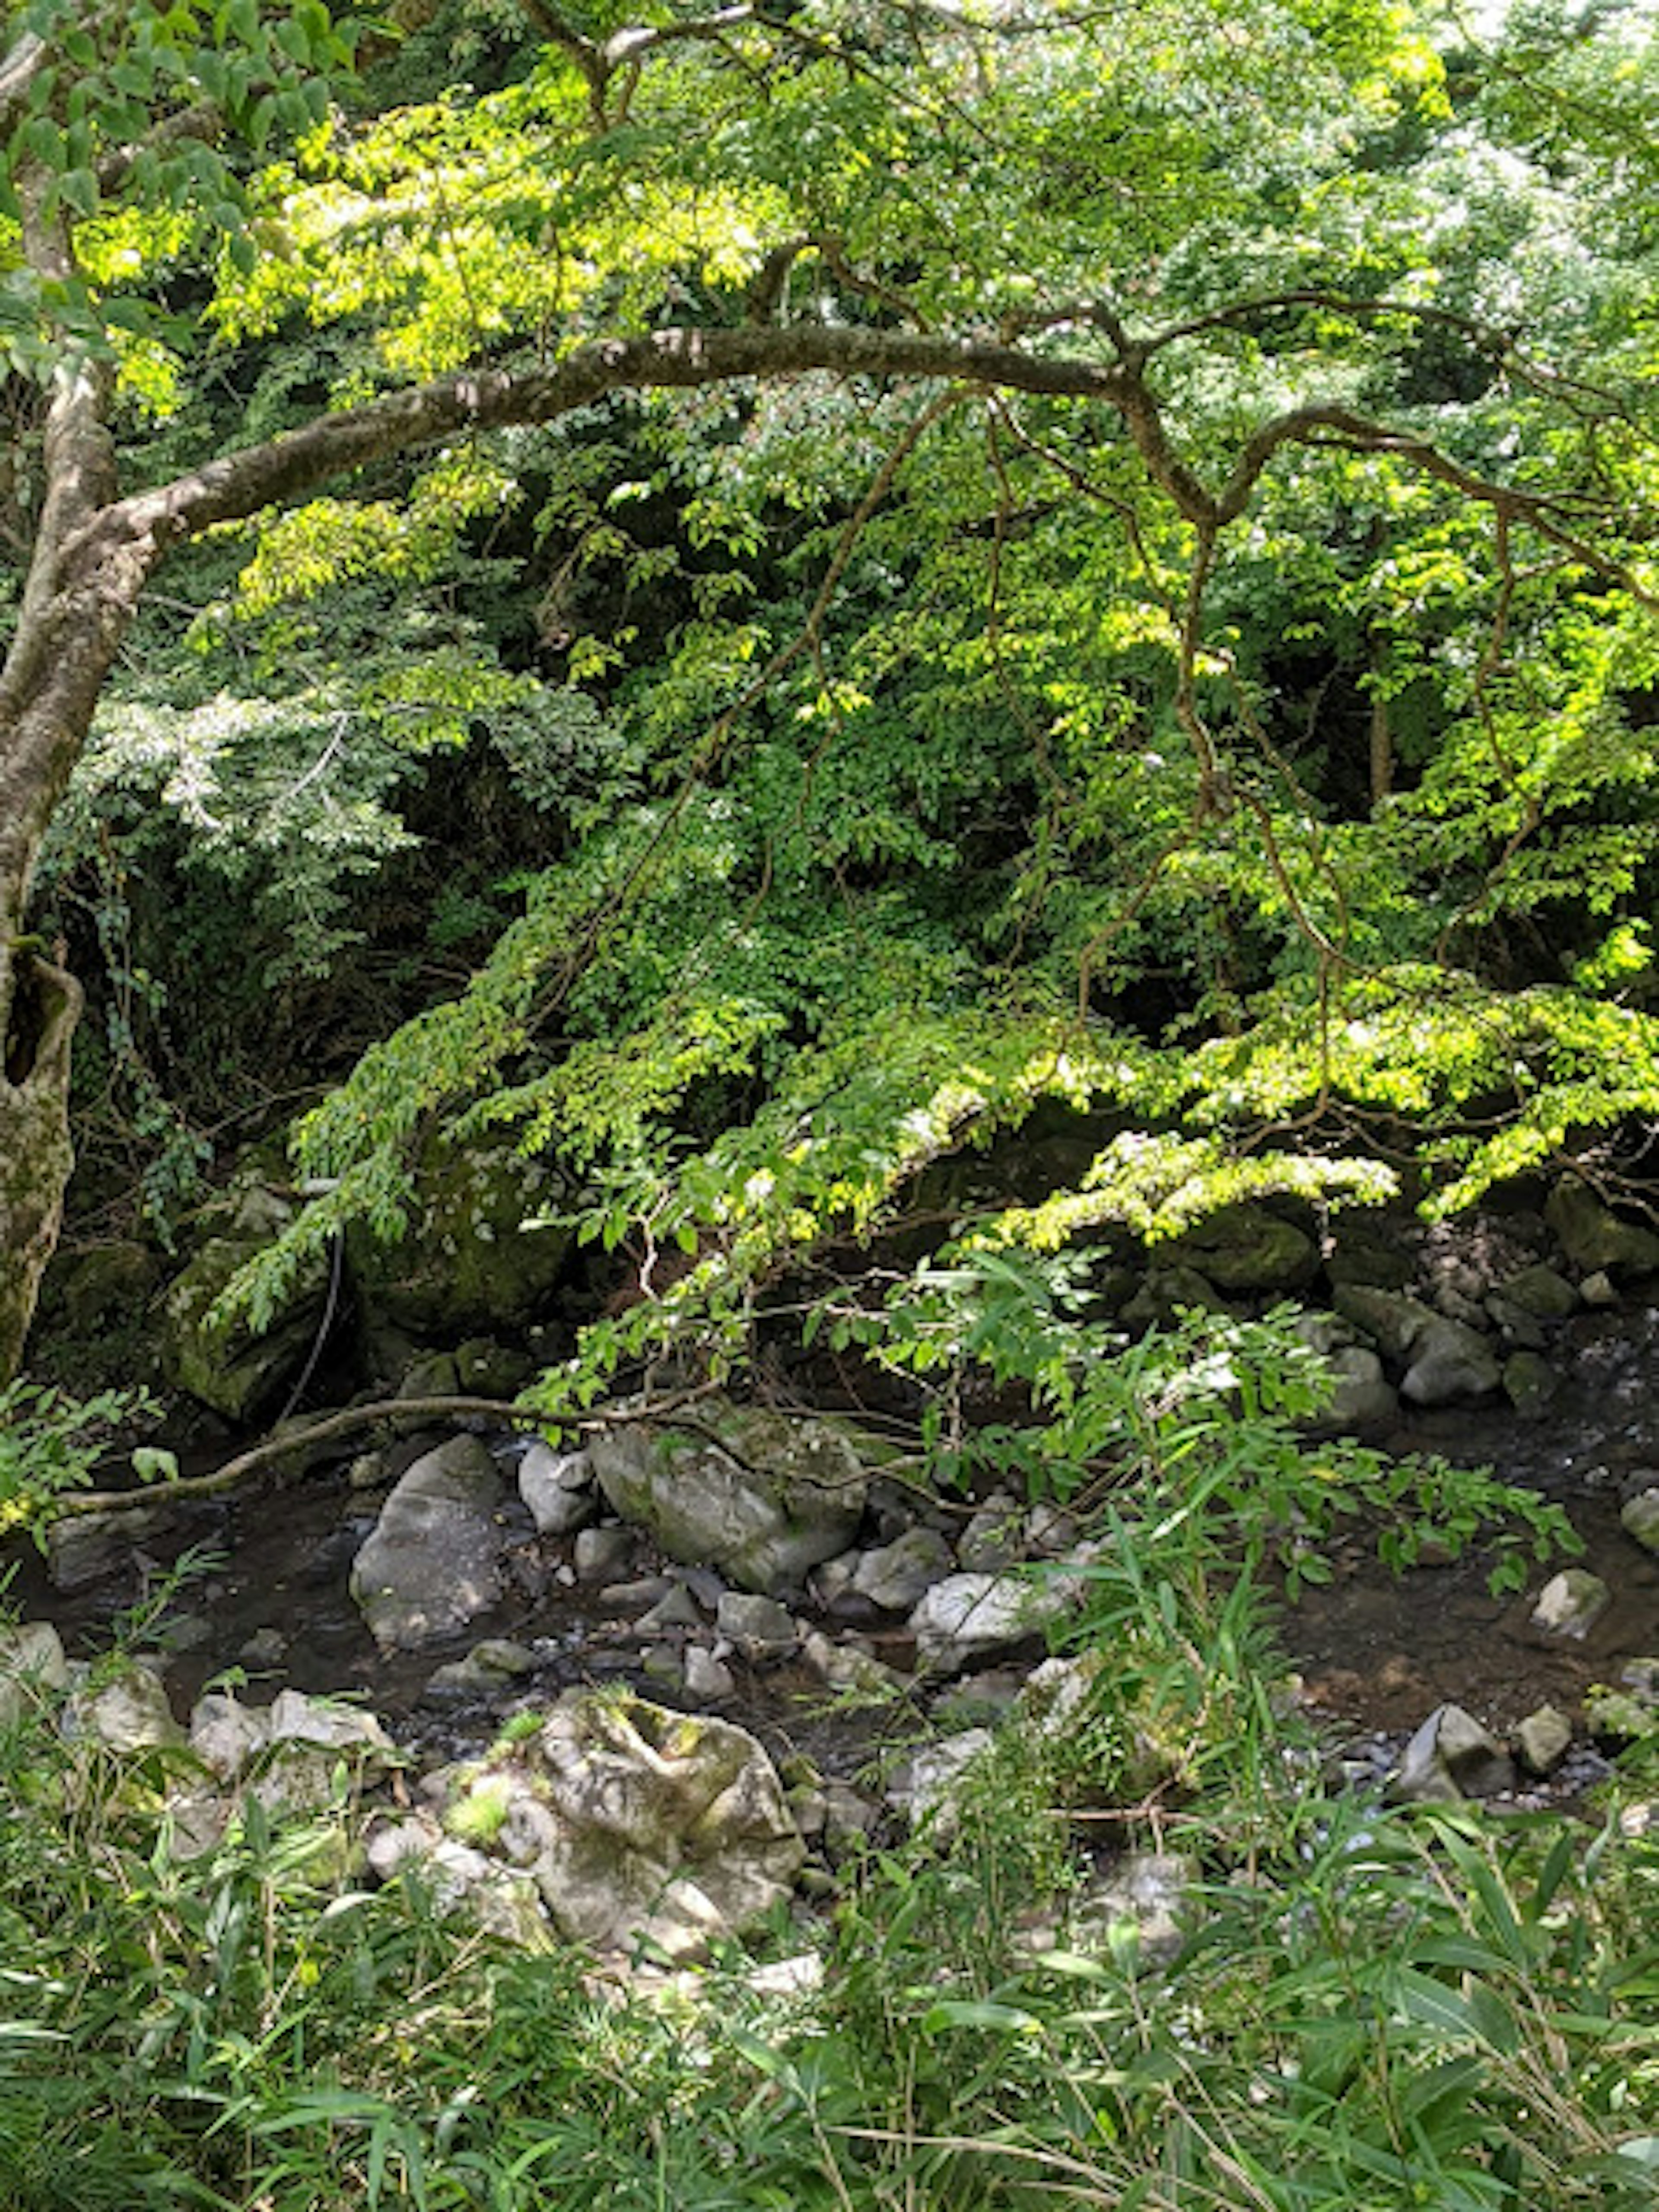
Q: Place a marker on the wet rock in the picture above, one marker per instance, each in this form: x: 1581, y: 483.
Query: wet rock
x: 1361, y: 1396
x: 265, y: 1649
x: 488, y: 1667
x: 1450, y: 1757
x: 1530, y: 1383
x: 1640, y: 1517
x: 600, y: 1553
x: 1570, y: 1603
x: 93, y: 1547
x: 760, y: 1627
x: 641, y: 1826
x: 1449, y: 1362
x: 1595, y: 1238
x: 1540, y: 1294
x: 1543, y: 1740
x: 32, y: 1667
x: 967, y: 1616
x: 894, y: 1576
x: 1599, y: 1290
x: 557, y: 1487
x: 130, y: 1713
x: 761, y: 1496
x: 227, y: 1736
x: 1248, y: 1247
x: 433, y: 1561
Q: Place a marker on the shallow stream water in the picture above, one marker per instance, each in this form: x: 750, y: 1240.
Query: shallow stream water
x: 1376, y: 1652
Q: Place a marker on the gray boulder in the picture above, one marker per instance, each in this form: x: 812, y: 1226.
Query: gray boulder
x: 1248, y: 1247
x: 1449, y: 1361
x: 1451, y: 1757
x: 894, y: 1576
x: 32, y: 1667
x: 236, y: 1371
x: 965, y: 1617
x: 1570, y: 1603
x: 1595, y: 1238
x: 557, y: 1487
x: 129, y: 1713
x: 644, y: 1826
x: 762, y: 1496
x: 481, y: 1251
x: 433, y: 1561
x: 1640, y: 1516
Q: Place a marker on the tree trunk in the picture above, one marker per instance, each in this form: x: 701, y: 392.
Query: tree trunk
x: 41, y: 1003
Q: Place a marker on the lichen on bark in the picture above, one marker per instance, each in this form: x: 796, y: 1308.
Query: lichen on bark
x: 39, y: 1006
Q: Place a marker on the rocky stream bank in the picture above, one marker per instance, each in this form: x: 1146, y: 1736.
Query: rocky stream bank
x: 653, y: 1690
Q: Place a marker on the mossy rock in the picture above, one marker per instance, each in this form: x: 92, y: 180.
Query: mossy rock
x: 479, y: 1253
x: 236, y: 1371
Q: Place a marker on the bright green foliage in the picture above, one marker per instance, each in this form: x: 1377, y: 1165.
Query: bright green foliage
x: 1272, y: 754
x: 50, y: 1442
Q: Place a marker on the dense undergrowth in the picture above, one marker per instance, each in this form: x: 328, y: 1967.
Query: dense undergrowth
x: 1374, y: 2008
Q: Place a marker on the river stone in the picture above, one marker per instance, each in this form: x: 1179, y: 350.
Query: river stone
x: 967, y: 1615
x: 1570, y: 1603
x: 1541, y: 1294
x: 760, y: 1627
x: 225, y: 1735
x: 993, y: 1538
x: 130, y: 1713
x: 1530, y: 1381
x: 32, y: 1666
x: 762, y: 1496
x: 83, y: 1548
x: 894, y: 1576
x: 599, y: 1554
x: 433, y: 1561
x: 1248, y: 1247
x: 480, y: 1252
x: 1393, y: 1321
x: 1361, y: 1395
x: 1449, y: 1361
x: 1640, y: 1516
x: 1166, y: 1292
x: 641, y: 1826
x: 709, y: 1680
x: 928, y: 1786
x: 1544, y: 1739
x: 236, y: 1371
x: 850, y: 1667
x: 1595, y: 1238
x: 1145, y: 1891
x: 557, y: 1487
x: 1450, y: 1757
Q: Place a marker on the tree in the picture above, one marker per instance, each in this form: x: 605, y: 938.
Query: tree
x: 1176, y: 233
